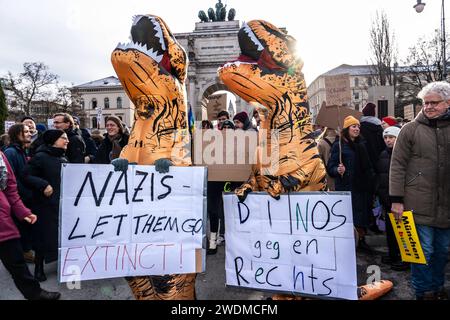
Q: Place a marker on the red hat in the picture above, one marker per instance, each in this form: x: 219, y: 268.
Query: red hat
x: 390, y: 121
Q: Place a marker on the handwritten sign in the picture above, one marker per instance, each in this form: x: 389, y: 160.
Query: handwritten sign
x: 338, y: 90
x: 407, y: 238
x: 139, y: 222
x: 303, y: 243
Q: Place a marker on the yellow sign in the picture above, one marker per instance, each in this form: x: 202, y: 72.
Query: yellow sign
x: 407, y: 238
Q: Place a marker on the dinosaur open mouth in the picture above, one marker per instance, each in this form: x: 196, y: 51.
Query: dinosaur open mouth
x: 253, y: 51
x: 146, y: 37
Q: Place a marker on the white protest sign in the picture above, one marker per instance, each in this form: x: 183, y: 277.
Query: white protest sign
x: 134, y: 223
x: 303, y: 243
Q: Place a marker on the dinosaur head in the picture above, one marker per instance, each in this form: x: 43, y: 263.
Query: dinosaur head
x: 151, y: 67
x: 268, y: 69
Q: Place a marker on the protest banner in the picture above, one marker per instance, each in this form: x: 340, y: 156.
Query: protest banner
x: 301, y: 244
x: 407, y: 238
x: 133, y: 223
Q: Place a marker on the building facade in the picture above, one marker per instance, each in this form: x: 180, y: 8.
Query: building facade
x: 358, y: 89
x: 102, y: 98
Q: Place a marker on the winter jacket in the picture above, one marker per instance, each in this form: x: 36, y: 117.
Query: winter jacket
x: 10, y: 203
x: 46, y: 165
x: 382, y: 169
x: 372, y: 133
x: 76, y: 150
x: 420, y: 170
x: 17, y: 160
x: 324, y: 146
x: 91, y: 147
x: 103, y: 155
x: 359, y: 174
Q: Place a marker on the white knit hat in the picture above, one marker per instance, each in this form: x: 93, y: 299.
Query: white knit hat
x: 391, y: 131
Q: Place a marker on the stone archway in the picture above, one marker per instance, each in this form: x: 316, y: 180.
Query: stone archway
x: 232, y: 104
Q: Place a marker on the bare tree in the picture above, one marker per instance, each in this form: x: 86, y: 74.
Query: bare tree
x: 30, y: 85
x: 383, y: 49
x: 422, y: 66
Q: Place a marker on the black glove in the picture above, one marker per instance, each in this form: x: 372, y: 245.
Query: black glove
x: 121, y: 164
x: 162, y: 165
x: 289, y: 182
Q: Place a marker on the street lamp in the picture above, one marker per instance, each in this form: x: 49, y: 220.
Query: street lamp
x: 419, y: 8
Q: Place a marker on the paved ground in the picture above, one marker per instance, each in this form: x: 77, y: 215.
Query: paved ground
x: 211, y: 285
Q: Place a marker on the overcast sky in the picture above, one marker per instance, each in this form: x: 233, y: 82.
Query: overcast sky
x: 76, y: 37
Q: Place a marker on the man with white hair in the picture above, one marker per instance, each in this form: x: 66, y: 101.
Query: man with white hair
x: 420, y: 182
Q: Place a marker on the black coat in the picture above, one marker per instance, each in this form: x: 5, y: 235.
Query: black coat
x: 383, y: 167
x: 47, y: 165
x: 359, y: 178
x: 373, y: 136
x: 359, y: 174
x: 18, y: 160
x: 104, y: 151
x: 76, y: 150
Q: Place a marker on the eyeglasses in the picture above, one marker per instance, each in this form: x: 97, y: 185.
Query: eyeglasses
x: 431, y: 103
x: 58, y: 122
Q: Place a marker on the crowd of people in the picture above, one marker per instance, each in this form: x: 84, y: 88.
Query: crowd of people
x: 388, y: 165
x: 31, y: 160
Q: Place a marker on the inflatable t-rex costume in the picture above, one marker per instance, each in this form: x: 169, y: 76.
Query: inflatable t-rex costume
x: 268, y: 75
x: 152, y: 69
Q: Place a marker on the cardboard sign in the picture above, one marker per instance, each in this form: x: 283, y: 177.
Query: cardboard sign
x: 301, y: 244
x: 338, y: 90
x: 228, y: 154
x: 216, y: 103
x: 134, y: 223
x: 333, y: 116
x: 407, y: 238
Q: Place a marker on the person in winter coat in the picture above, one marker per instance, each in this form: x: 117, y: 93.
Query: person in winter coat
x: 372, y: 132
x: 242, y: 122
x: 393, y: 258
x: 113, y: 143
x: 20, y: 137
x: 419, y: 182
x: 46, y: 167
x: 324, y: 145
x: 354, y: 174
x: 76, y: 151
x: 97, y: 137
x: 36, y: 136
x: 10, y: 247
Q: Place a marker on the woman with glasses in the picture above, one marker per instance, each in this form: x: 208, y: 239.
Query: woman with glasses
x: 45, y: 172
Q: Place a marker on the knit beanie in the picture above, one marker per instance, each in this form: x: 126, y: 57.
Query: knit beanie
x: 391, y: 121
x: 349, y: 121
x: 50, y: 136
x: 391, y: 131
x: 369, y: 110
x: 242, y: 117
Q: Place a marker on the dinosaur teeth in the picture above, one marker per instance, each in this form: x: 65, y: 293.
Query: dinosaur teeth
x: 136, y: 19
x: 159, y: 32
x: 141, y: 48
x: 252, y: 36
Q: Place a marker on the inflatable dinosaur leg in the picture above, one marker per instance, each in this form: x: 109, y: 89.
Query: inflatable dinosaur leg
x: 171, y: 287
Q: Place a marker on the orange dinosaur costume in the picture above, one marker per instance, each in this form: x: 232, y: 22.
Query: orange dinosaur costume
x: 152, y: 69
x: 268, y: 75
